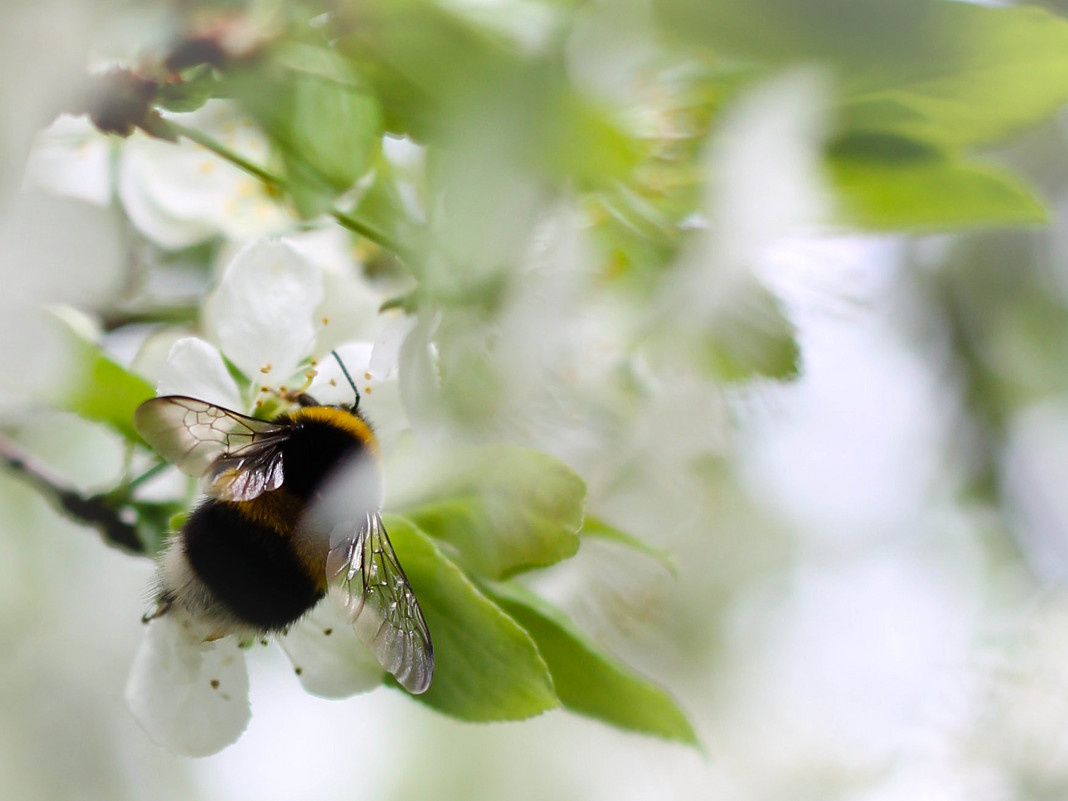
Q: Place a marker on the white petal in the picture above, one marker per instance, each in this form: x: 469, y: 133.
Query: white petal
x: 418, y: 377
x: 330, y: 385
x: 60, y: 250
x: 181, y: 194
x: 386, y: 353
x: 764, y: 163
x: 264, y: 310
x: 189, y: 696
x: 762, y: 170
x: 379, y: 397
x: 350, y: 310
x: 71, y: 157
x: 135, y: 189
x: 196, y: 369
x: 329, y: 660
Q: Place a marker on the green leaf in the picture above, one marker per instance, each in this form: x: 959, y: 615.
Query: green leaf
x: 505, y: 509
x: 336, y: 129
x: 845, y: 31
x: 324, y: 123
x: 889, y: 182
x: 752, y: 338
x: 197, y: 87
x: 588, y: 680
x: 98, y: 388
x: 486, y: 666
x: 998, y: 70
x: 954, y: 73
x: 595, y: 528
x: 446, y: 79
x: 381, y: 204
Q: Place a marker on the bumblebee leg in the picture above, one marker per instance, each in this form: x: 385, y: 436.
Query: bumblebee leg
x: 160, y: 610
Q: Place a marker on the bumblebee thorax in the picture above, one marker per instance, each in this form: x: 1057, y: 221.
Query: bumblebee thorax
x: 323, y: 438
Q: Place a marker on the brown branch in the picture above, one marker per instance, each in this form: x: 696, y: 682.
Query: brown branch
x: 93, y: 511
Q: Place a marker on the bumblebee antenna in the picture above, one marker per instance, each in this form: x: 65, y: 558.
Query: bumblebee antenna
x: 352, y: 383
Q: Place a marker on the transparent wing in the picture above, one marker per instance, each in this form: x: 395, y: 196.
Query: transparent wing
x: 381, y: 605
x: 236, y: 457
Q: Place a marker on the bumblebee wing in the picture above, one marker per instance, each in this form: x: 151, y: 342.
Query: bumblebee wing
x: 236, y: 457
x: 378, y: 599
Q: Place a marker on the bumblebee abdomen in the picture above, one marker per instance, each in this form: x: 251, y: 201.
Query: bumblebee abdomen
x: 246, y: 556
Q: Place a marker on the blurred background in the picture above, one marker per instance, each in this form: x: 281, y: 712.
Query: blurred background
x: 791, y: 321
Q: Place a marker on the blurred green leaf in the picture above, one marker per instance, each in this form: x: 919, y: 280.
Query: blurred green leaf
x: 98, y: 388
x: 381, y: 203
x: 445, y: 79
x: 505, y: 509
x: 197, y: 86
x: 325, y: 122
x: 889, y: 182
x: 847, y: 31
x: 752, y: 338
x: 1002, y: 69
x: 588, y: 680
x: 958, y: 74
x: 595, y: 528
x: 486, y: 666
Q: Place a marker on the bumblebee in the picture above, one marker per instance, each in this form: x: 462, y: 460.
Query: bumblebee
x: 265, y: 546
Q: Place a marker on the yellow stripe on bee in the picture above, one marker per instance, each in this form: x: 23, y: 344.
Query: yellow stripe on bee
x: 341, y: 419
x: 278, y: 510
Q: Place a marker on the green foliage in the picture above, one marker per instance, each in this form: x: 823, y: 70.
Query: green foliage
x: 753, y: 338
x: 595, y: 528
x: 920, y: 82
x: 321, y: 118
x: 590, y: 681
x: 503, y: 654
x: 504, y: 509
x: 97, y: 387
x: 999, y: 70
x: 486, y: 666
x: 195, y: 89
x: 888, y: 182
x: 846, y: 32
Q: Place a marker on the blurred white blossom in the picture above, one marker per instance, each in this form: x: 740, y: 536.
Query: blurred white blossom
x: 43, y: 49
x: 190, y: 696
x: 71, y: 157
x: 762, y: 182
x: 262, y: 311
x: 53, y: 251
x: 181, y: 194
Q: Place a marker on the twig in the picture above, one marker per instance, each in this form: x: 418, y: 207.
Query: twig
x: 91, y: 510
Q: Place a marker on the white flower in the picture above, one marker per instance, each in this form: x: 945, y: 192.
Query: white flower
x: 262, y: 310
x: 189, y: 695
x: 265, y: 313
x: 181, y: 194
x: 71, y: 157
x: 763, y: 183
x: 81, y: 266
x: 326, y: 655
x: 177, y: 194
